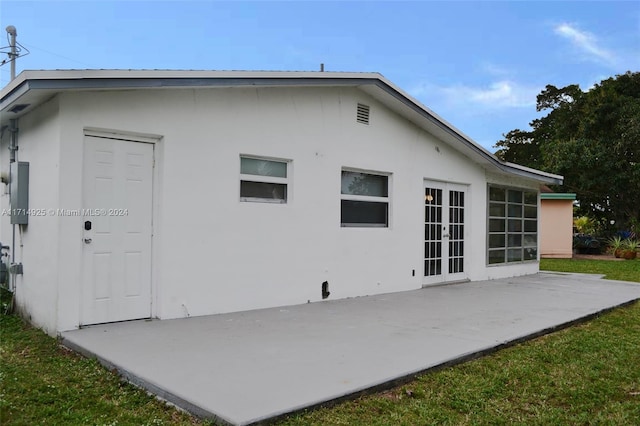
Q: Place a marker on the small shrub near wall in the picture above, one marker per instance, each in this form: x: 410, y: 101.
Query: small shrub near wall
x: 630, y: 249
x: 624, y: 248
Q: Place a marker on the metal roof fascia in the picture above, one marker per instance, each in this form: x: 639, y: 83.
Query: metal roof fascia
x: 505, y: 167
x: 549, y: 177
x: 102, y: 74
x: 541, y: 177
x: 13, y: 95
x: 88, y: 82
x: 14, y: 84
x: 422, y: 111
x: 153, y: 83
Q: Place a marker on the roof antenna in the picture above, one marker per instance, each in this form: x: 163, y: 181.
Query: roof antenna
x: 11, y: 30
x: 321, y: 67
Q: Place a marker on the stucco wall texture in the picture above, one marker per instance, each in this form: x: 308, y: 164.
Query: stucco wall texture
x: 556, y: 228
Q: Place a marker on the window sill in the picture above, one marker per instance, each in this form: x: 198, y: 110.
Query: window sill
x: 491, y: 265
x: 363, y: 225
x: 262, y: 200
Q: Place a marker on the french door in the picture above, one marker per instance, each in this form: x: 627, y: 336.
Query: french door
x: 444, y: 232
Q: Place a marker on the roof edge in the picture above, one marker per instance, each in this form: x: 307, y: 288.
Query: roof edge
x: 537, y: 174
x: 54, y: 80
x: 117, y: 74
x: 510, y: 168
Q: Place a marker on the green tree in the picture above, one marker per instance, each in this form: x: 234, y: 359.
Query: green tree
x: 593, y: 139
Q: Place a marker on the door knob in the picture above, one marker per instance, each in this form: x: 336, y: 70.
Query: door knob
x: 87, y: 240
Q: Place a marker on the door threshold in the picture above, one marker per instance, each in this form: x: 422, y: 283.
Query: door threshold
x: 97, y: 324
x: 465, y: 280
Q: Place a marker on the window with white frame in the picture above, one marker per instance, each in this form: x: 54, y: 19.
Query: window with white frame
x: 513, y: 225
x: 263, y: 180
x: 364, y: 200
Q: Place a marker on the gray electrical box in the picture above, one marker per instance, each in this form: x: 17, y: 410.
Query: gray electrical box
x: 19, y: 193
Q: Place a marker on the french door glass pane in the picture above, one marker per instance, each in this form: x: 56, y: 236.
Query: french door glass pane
x: 433, y: 231
x: 456, y: 233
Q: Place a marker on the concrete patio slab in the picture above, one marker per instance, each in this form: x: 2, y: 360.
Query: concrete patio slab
x: 246, y: 367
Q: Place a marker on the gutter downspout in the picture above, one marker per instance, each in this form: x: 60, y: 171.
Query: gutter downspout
x: 13, y: 147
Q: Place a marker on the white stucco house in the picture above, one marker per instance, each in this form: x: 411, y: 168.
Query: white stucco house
x: 166, y: 194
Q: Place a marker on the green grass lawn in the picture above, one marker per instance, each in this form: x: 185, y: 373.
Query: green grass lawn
x: 587, y: 374
x: 42, y: 383
x: 623, y: 270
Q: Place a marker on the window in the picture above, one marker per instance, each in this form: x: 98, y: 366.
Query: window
x: 364, y: 200
x: 513, y: 225
x: 263, y: 180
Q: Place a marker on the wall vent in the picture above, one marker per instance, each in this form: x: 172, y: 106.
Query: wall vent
x: 363, y: 114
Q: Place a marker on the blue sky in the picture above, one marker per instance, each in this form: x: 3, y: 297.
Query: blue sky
x: 479, y: 65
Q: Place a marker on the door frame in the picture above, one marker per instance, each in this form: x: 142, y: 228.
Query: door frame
x: 446, y: 277
x: 158, y: 147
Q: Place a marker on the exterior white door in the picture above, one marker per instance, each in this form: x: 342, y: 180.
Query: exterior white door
x: 117, y: 209
x: 444, y: 231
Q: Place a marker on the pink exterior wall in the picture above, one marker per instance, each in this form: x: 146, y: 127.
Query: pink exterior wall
x: 556, y: 228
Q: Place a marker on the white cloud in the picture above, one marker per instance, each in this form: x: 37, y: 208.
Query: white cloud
x: 499, y: 94
x: 586, y: 42
x: 495, y: 70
